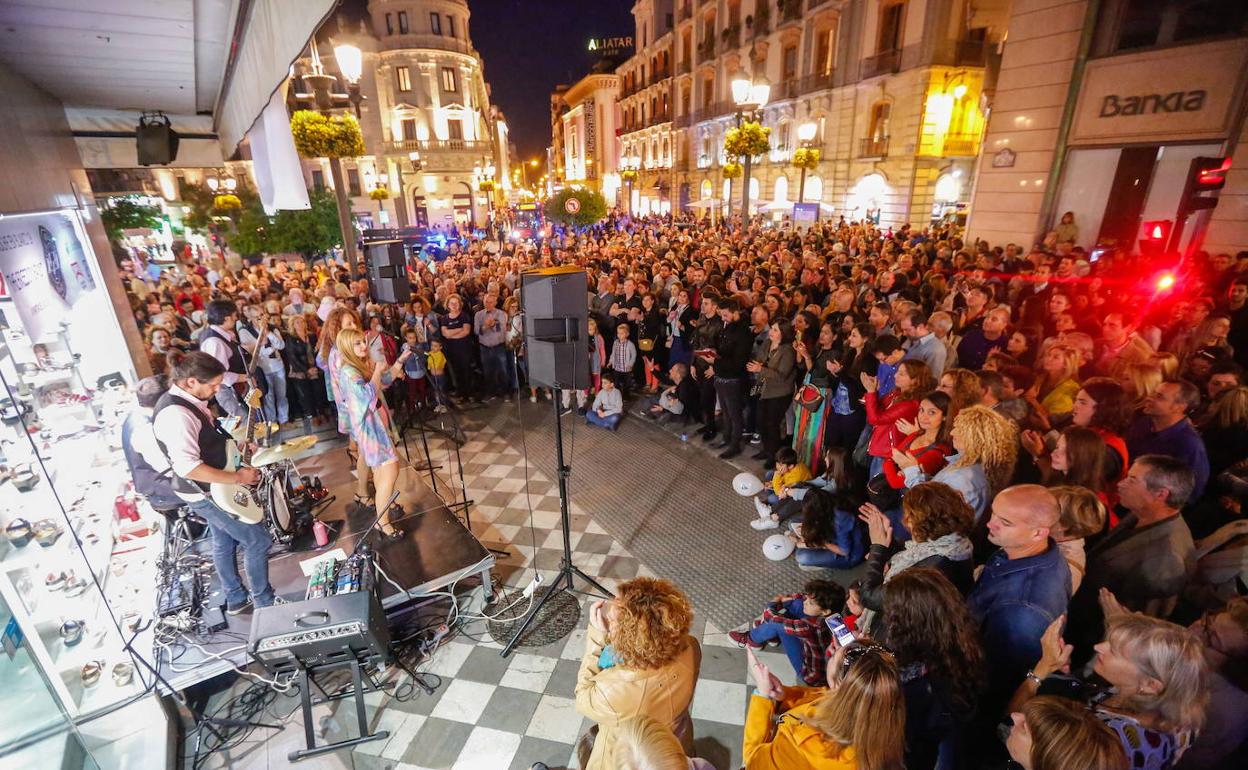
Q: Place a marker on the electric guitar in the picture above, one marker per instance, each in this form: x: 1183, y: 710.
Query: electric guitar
x: 237, y: 499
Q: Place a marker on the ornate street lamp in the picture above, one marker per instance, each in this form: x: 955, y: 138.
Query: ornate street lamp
x: 750, y: 96
x: 805, y: 137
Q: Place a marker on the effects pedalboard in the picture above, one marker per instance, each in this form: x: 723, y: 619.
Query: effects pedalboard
x: 339, y: 577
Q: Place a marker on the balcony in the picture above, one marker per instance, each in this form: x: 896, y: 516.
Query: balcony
x: 706, y: 49
x: 881, y: 64
x: 682, y: 121
x: 684, y: 67
x: 441, y: 145
x: 759, y: 25
x: 971, y: 53
x: 713, y: 110
x: 731, y: 37
x: 436, y: 42
x: 873, y: 147
x: 790, y: 10
x: 961, y: 145
x: 684, y: 11
x: 812, y: 83
x: 659, y: 77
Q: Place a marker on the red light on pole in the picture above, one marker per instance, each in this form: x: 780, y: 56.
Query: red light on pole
x: 1165, y: 282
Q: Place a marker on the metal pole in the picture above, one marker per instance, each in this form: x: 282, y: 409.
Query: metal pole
x: 344, y: 216
x: 801, y: 187
x: 745, y: 193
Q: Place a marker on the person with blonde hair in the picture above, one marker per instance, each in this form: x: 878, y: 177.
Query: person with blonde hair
x: 986, y: 446
x: 360, y: 384
x: 1051, y: 733
x: 857, y: 723
x: 639, y: 661
x: 1158, y: 679
x: 1167, y: 362
x: 1142, y: 380
x: 1054, y: 391
x: 646, y: 744
x: 1082, y: 515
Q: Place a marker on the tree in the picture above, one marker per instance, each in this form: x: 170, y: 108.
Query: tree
x: 307, y: 232
x: 591, y: 207
x: 128, y: 214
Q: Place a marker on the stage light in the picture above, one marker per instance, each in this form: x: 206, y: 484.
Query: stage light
x: 1165, y: 281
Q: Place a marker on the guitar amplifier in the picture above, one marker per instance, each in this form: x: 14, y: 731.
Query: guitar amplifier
x: 318, y: 632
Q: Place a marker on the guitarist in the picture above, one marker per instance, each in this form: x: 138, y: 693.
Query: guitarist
x: 197, y: 452
x: 220, y: 340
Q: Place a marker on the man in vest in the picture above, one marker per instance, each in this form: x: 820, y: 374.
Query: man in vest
x: 220, y: 341
x: 196, y: 449
x: 148, y: 466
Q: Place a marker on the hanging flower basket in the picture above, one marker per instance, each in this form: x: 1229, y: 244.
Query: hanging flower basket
x: 747, y: 139
x: 227, y: 202
x: 379, y: 194
x: 486, y: 185
x: 807, y: 158
x: 732, y: 170
x: 629, y: 175
x: 319, y: 136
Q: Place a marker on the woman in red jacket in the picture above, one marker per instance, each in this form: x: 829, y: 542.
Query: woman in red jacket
x: 912, y: 380
x: 926, y: 443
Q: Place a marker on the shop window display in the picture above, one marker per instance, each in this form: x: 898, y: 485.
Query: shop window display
x: 79, y: 551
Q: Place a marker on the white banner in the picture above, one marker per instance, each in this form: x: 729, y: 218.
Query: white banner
x: 44, y: 270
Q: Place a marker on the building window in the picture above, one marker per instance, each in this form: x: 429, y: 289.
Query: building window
x: 318, y: 179
x: 825, y: 51
x: 788, y: 59
x: 389, y: 23
x: 880, y: 114
x: 890, y: 27
x: 353, y: 182
x: 404, y: 77
x: 454, y: 129
x: 449, y: 81
x: 1148, y: 23
x: 403, y: 28
x: 409, y: 130
x: 450, y: 26
x: 435, y: 23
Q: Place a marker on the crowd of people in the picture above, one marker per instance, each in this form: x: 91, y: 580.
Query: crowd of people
x: 1039, y: 457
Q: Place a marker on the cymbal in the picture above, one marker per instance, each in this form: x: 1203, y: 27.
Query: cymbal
x: 283, y: 451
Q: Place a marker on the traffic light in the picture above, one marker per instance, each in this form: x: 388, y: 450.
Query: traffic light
x: 1154, y: 236
x: 1205, y: 176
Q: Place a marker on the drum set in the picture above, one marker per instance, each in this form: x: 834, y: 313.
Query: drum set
x: 288, y: 498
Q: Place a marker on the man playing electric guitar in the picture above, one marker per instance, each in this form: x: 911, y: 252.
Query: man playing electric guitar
x: 198, y: 454
x: 220, y: 340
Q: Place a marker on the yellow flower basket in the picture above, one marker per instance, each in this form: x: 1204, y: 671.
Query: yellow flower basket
x: 379, y: 194
x: 807, y: 158
x: 227, y: 202
x: 732, y: 170
x: 747, y: 139
x: 629, y: 175
x: 318, y: 136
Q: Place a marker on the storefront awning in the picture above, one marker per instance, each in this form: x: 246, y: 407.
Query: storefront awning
x: 211, y: 65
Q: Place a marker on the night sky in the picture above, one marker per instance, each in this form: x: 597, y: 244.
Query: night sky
x: 531, y: 45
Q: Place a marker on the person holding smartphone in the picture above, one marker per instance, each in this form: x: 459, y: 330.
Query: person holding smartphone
x: 797, y: 622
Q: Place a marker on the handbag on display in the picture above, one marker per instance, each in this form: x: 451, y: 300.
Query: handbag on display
x: 808, y: 396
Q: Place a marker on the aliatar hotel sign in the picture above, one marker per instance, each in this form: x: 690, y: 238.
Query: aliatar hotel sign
x: 608, y: 45
x: 1183, y: 93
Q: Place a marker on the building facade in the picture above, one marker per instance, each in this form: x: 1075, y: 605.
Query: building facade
x: 1101, y: 108
x: 431, y: 135
x: 646, y: 94
x: 896, y: 90
x: 589, y: 122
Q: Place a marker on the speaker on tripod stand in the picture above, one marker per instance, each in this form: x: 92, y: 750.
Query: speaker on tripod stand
x: 555, y: 303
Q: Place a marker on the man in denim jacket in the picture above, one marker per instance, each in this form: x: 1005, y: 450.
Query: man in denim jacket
x: 1023, y: 588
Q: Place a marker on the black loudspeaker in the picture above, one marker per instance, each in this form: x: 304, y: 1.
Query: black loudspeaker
x: 387, y: 271
x: 555, y: 302
x: 157, y: 142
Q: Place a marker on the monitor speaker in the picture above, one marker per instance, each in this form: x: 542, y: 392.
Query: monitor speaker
x: 157, y: 142
x: 555, y: 302
x: 387, y: 271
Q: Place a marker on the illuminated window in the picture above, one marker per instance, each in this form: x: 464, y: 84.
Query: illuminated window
x: 879, y: 121
x: 404, y: 77
x: 449, y: 81
x: 435, y: 23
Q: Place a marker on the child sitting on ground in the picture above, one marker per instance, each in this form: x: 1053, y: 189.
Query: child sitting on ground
x: 787, y: 473
x: 797, y: 622
x: 608, y: 406
x: 838, y: 476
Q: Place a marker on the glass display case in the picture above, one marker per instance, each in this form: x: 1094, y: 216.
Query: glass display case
x: 78, y: 553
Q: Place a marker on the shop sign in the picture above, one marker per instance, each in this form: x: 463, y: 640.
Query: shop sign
x: 44, y: 269
x: 610, y: 44
x: 1173, y: 94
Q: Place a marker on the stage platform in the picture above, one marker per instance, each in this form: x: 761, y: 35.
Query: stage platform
x: 436, y: 552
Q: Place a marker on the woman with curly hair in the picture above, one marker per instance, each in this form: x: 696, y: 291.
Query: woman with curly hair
x: 930, y: 631
x: 939, y: 523
x: 963, y: 388
x: 986, y: 446
x: 639, y: 661
x: 856, y: 723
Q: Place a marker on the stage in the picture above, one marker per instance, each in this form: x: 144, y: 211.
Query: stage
x: 436, y: 552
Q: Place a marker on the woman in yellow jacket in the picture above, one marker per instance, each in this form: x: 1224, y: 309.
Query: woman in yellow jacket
x: 639, y: 661
x: 857, y: 723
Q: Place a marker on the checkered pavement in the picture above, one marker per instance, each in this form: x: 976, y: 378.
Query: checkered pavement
x: 492, y: 713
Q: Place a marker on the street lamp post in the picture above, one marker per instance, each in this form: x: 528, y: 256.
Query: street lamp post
x: 632, y: 165
x: 750, y: 96
x: 350, y: 64
x: 805, y: 135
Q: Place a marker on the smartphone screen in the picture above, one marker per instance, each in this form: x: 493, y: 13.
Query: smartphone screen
x: 841, y: 632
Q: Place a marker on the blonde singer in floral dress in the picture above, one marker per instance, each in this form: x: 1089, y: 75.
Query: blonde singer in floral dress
x: 360, y: 385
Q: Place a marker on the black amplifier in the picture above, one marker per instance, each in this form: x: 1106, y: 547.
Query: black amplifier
x: 317, y: 632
